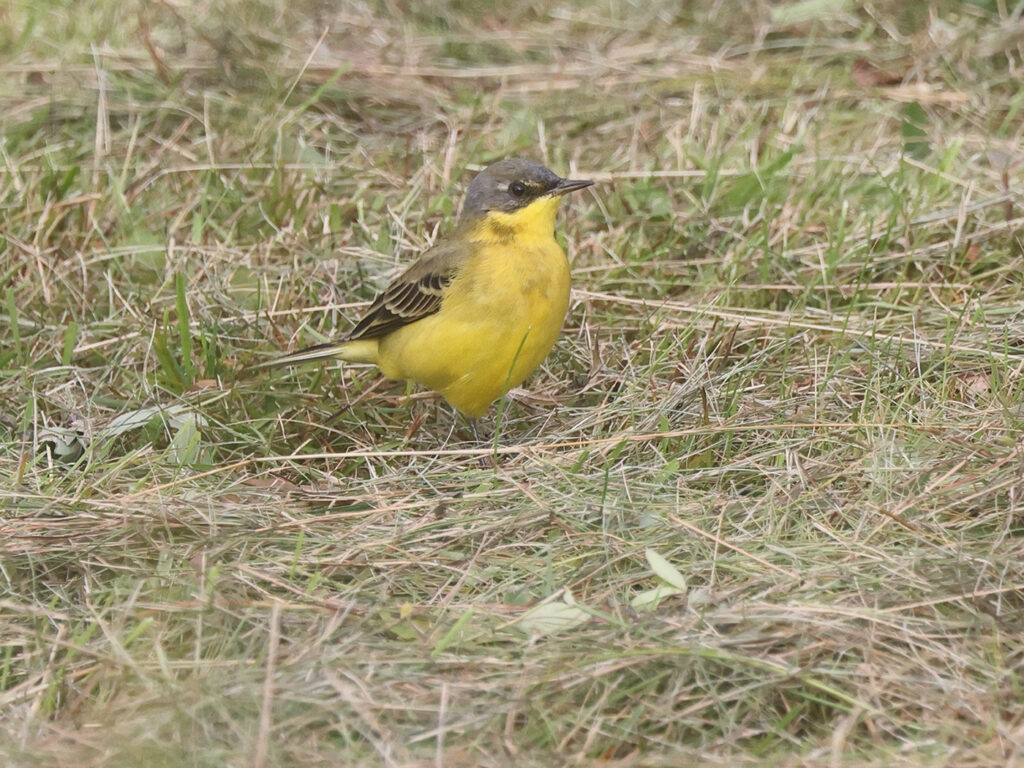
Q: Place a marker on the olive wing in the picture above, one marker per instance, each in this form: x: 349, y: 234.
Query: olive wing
x: 415, y: 294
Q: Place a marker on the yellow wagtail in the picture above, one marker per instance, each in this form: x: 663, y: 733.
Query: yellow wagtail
x: 480, y: 310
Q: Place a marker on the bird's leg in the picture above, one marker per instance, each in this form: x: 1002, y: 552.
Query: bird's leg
x: 452, y: 431
x: 489, y: 461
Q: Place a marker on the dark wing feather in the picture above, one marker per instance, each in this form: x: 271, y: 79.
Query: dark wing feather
x: 414, y: 294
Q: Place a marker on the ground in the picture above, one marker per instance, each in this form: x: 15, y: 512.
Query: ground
x: 759, y: 505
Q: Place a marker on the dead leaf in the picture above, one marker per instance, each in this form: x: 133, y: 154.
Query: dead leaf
x: 867, y: 75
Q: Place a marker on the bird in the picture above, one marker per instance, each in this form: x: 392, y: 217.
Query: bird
x: 480, y: 310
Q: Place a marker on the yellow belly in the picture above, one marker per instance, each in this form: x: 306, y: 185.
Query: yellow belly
x: 498, y: 321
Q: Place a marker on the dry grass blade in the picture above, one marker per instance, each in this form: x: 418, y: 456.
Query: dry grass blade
x: 761, y: 505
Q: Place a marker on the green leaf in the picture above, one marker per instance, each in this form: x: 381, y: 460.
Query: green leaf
x: 186, y: 443
x: 915, y: 137
x: 70, y: 337
x: 664, y: 570
x: 175, y: 416
x: 184, y: 331
x: 649, y: 598
x: 754, y: 184
x: 553, y: 617
x: 450, y: 636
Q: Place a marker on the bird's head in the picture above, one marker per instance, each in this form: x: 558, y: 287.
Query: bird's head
x: 517, y: 192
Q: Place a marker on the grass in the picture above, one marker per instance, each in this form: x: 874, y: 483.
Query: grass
x: 761, y: 504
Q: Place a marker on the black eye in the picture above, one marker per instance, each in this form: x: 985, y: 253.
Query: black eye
x: 517, y: 188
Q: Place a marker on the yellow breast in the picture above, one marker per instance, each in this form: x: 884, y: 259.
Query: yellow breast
x: 499, y: 317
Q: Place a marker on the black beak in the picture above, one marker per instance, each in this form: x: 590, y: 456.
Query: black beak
x: 569, y: 185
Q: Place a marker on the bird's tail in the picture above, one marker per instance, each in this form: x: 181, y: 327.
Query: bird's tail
x: 357, y: 351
